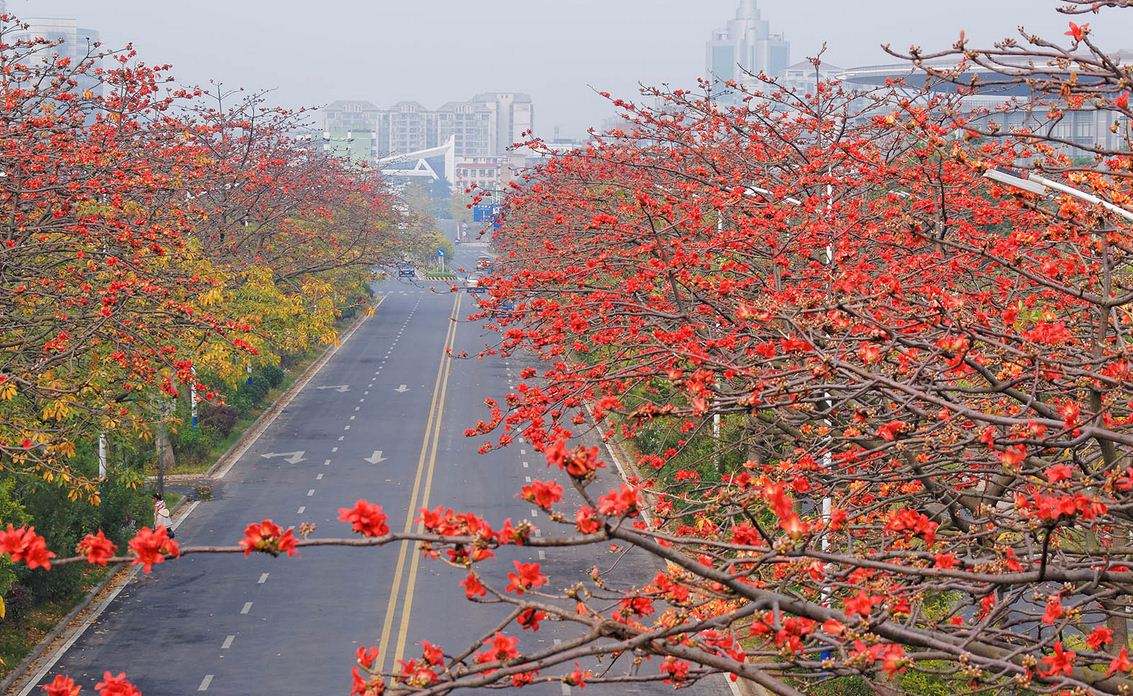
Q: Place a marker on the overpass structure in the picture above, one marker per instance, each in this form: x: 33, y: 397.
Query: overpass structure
x: 423, y: 163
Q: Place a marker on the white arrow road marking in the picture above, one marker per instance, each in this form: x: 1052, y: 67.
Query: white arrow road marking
x: 336, y: 387
x: 402, y: 389
x: 290, y: 457
x: 375, y: 458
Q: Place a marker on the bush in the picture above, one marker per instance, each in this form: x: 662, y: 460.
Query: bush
x: 192, y: 445
x: 219, y: 418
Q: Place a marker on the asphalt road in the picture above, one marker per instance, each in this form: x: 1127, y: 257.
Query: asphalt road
x: 237, y: 626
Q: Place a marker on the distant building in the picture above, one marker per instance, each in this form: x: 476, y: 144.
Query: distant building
x: 802, y: 78
x: 515, y: 115
x: 481, y: 130
x: 73, y: 41
x: 472, y: 125
x: 1009, y: 107
x: 745, y: 47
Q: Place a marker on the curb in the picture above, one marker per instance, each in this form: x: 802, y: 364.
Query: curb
x: 227, y: 460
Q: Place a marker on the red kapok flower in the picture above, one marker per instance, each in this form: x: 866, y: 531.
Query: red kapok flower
x: 61, y: 686
x: 529, y: 618
x: 586, y: 520
x: 268, y: 537
x: 97, y: 548
x: 473, y: 587
x: 23, y: 545
x: 116, y: 686
x: 501, y: 648
x: 151, y: 547
x: 526, y: 577
x: 366, y: 518
x: 542, y: 493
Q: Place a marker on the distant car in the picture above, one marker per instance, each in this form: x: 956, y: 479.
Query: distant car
x: 484, y: 263
x: 473, y: 284
x: 406, y: 272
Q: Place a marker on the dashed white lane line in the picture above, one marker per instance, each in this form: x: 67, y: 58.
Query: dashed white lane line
x: 263, y: 579
x: 525, y: 465
x: 205, y: 683
x: 346, y: 427
x: 542, y: 555
x: 326, y: 462
x: 523, y: 451
x: 319, y: 477
x: 362, y: 399
x: 534, y: 512
x: 367, y: 391
x: 227, y: 642
x: 301, y: 509
x: 310, y: 492
x: 246, y: 608
x: 353, y: 417
x: 527, y: 479
x: 333, y: 449
x: 357, y: 408
x: 340, y: 439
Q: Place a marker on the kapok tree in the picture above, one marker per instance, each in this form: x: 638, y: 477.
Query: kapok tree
x: 927, y: 371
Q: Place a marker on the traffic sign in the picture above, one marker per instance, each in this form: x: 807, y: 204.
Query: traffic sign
x: 441, y: 253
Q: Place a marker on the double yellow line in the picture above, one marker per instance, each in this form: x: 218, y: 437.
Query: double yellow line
x: 426, y: 463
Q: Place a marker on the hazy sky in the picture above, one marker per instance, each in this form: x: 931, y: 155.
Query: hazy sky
x: 434, y: 51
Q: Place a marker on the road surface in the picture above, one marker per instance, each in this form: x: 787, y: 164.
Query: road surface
x: 384, y: 420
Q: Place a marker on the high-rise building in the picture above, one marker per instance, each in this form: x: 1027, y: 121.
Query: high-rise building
x: 745, y: 47
x: 472, y: 125
x: 68, y: 40
x: 515, y: 115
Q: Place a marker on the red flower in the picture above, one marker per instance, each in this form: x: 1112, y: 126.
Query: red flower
x: 861, y: 605
x: 1058, y: 472
x: 473, y: 587
x: 586, y: 520
x: 578, y: 677
x: 97, y: 548
x: 151, y: 547
x: 1054, y: 610
x: 432, y: 653
x: 267, y: 537
x: 501, y: 648
x: 529, y: 618
x: 116, y: 686
x: 890, y: 430
x: 1121, y: 663
x: 1099, y: 637
x: 580, y: 462
x: 61, y: 686
x: 542, y: 493
x: 1078, y: 32
x: 366, y: 518
x: 367, y: 656
x: 1059, y: 662
x: 23, y: 545
x: 622, y: 502
x: 526, y: 577
x: 677, y: 670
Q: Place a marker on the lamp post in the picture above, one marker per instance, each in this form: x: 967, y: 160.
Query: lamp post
x: 1040, y: 185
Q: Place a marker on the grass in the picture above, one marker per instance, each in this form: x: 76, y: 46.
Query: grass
x: 20, y: 636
